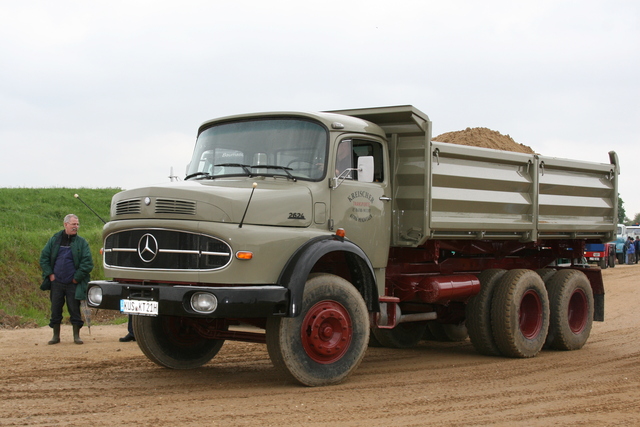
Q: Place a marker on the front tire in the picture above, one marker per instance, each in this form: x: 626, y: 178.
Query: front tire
x: 520, y: 314
x: 174, y: 342
x: 327, y: 341
x: 571, y: 300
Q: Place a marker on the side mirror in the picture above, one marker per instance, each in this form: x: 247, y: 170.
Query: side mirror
x: 365, y: 169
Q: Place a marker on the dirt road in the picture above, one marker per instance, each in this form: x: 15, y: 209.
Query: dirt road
x: 105, y: 382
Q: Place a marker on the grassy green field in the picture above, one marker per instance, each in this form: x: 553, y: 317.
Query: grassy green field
x: 28, y: 218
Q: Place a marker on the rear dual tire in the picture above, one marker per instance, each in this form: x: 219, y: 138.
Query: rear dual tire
x: 520, y: 314
x: 479, y: 313
x: 572, y: 307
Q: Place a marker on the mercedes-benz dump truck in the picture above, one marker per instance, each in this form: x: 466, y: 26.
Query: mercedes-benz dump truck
x: 328, y: 232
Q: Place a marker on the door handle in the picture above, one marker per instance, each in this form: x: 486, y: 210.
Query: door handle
x: 385, y: 198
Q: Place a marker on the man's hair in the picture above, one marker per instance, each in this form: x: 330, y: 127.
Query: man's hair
x: 67, y: 219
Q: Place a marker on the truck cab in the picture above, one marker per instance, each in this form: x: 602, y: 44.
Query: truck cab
x: 258, y: 188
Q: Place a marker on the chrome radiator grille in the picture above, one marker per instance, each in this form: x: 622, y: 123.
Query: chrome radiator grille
x: 161, y: 249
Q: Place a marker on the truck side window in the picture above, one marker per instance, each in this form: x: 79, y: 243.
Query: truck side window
x: 374, y: 149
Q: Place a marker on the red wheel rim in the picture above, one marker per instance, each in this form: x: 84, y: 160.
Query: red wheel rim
x: 577, y: 311
x: 530, y: 315
x: 326, y: 332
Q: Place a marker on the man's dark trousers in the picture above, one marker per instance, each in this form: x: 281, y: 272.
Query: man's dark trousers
x: 60, y: 292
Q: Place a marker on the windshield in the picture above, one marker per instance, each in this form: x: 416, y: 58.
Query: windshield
x: 268, y: 147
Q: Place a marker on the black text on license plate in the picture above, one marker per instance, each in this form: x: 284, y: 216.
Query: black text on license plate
x: 144, y: 308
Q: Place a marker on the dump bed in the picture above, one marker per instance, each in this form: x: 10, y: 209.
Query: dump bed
x: 449, y: 191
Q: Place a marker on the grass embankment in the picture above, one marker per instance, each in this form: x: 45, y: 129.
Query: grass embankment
x: 28, y: 218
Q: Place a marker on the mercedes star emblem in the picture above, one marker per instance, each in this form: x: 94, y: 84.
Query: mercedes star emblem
x: 147, y: 248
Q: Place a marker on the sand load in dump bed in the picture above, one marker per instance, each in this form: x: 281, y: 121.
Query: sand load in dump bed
x: 483, y: 137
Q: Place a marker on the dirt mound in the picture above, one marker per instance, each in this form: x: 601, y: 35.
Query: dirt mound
x: 483, y: 137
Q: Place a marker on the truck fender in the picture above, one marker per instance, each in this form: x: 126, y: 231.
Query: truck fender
x: 299, y: 266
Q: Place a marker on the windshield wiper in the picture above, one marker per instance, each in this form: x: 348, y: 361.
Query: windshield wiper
x: 245, y: 168
x: 196, y: 174
x: 284, y: 168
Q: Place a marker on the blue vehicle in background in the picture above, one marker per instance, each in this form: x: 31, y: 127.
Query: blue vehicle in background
x: 603, y: 254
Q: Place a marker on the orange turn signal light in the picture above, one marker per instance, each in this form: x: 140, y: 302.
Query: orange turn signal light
x: 340, y: 232
x: 244, y: 255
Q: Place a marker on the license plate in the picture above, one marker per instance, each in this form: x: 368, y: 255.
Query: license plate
x: 597, y: 254
x: 143, y: 308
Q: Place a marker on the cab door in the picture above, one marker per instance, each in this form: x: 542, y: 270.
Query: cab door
x: 362, y: 208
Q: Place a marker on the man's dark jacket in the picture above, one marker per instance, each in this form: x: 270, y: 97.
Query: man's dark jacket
x: 82, y: 261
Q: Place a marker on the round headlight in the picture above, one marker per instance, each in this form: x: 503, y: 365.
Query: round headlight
x: 94, y: 295
x: 204, y: 302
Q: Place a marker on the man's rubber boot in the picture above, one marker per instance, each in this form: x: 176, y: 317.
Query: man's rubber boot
x: 56, y: 335
x: 76, y: 335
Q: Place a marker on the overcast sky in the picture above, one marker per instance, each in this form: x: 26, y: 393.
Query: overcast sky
x: 110, y: 93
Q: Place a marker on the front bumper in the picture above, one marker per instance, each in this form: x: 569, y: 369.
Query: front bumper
x: 174, y: 300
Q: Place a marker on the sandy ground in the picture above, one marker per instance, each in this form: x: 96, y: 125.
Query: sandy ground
x: 105, y: 382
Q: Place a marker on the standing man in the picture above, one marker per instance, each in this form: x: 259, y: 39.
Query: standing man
x: 625, y: 249
x: 637, y: 246
x: 66, y: 261
x: 631, y: 250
